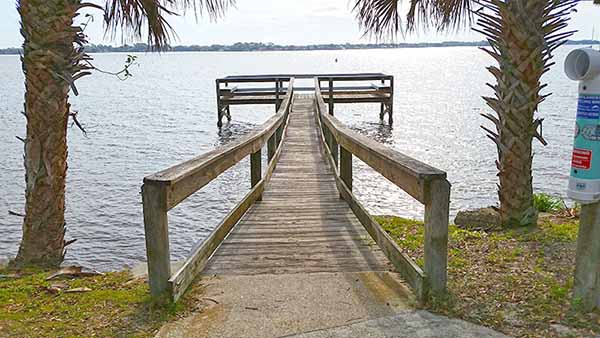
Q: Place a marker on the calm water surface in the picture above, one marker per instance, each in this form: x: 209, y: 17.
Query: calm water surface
x: 166, y: 113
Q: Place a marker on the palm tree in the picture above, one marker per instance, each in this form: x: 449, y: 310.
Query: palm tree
x: 522, y: 35
x: 53, y: 59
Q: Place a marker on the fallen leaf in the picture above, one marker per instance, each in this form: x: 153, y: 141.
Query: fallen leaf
x: 84, y: 289
x: 73, y: 272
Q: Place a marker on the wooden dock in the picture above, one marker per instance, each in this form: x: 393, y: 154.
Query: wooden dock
x: 301, y: 224
x: 337, y: 88
x: 300, y: 215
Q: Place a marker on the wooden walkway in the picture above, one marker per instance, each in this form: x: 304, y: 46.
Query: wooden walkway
x: 300, y: 215
x: 301, y: 224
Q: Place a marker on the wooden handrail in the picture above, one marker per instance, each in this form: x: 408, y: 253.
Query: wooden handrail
x: 182, y: 180
x: 165, y: 189
x: 325, y: 76
x: 425, y: 183
x: 407, y: 173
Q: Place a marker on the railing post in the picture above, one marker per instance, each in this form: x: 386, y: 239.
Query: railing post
x: 391, y: 104
x: 330, y: 96
x: 154, y: 199
x: 272, y: 145
x: 278, y: 135
x: 436, y: 235
x: 256, y: 169
x: 346, y: 167
x: 333, y: 146
x: 382, y: 108
x: 277, y: 89
x: 219, y: 109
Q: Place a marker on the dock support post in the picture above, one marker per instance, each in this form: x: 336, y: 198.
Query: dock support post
x: 391, y: 103
x: 586, y: 289
x: 277, y: 89
x: 219, y: 108
x: 333, y: 146
x: 227, y: 111
x: 154, y: 200
x: 330, y: 96
x: 272, y: 145
x: 436, y: 235
x: 256, y: 170
x: 382, y: 108
x: 278, y: 136
x: 346, y: 167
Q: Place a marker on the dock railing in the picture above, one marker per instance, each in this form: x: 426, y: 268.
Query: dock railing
x: 164, y: 190
x: 271, y: 89
x: 426, y: 184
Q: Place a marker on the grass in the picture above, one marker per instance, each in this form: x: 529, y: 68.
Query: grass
x: 517, y: 281
x: 547, y: 203
x: 116, y: 306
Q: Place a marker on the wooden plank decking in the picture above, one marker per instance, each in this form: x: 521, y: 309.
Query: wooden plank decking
x: 301, y: 224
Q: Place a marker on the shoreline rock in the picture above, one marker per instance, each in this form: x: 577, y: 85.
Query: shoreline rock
x: 482, y: 218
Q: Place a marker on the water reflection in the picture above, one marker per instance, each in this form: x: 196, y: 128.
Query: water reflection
x: 233, y: 130
x: 379, y: 132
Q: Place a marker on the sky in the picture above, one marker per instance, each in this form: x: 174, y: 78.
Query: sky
x: 281, y: 22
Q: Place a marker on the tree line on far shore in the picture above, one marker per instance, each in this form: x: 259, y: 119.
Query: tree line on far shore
x: 259, y: 46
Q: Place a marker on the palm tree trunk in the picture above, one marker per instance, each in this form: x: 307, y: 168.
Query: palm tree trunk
x: 48, y: 54
x: 522, y: 37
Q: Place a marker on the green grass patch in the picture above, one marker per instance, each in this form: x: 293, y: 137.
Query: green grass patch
x: 549, y: 232
x: 547, y: 203
x: 517, y: 281
x: 116, y: 306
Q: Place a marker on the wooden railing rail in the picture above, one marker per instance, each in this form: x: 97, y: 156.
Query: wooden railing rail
x: 164, y: 190
x: 426, y: 184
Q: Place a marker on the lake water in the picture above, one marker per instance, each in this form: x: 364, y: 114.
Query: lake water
x: 166, y: 114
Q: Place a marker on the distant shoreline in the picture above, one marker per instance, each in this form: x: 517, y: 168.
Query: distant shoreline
x: 270, y: 47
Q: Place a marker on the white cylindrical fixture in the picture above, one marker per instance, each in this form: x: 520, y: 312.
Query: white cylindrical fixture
x: 583, y: 65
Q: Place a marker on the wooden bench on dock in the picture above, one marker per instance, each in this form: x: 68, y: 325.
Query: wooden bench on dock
x: 271, y: 89
x: 300, y: 215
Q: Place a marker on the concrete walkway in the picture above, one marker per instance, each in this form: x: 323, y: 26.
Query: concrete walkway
x: 410, y: 324
x: 237, y: 306
x: 315, y: 305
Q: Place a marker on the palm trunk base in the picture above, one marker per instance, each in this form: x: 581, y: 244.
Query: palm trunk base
x: 51, y: 63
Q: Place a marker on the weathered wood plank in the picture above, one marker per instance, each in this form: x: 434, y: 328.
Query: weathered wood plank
x: 436, y: 234
x: 412, y: 273
x: 426, y: 184
x: 256, y: 169
x: 301, y: 215
x: 196, y: 261
x: 346, y: 167
x: 241, y: 270
x: 408, y: 173
x: 163, y: 190
x: 156, y: 231
x: 185, y: 178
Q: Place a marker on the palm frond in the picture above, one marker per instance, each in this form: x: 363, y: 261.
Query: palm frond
x: 453, y: 14
x: 133, y: 18
x: 383, y: 18
x: 380, y: 18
